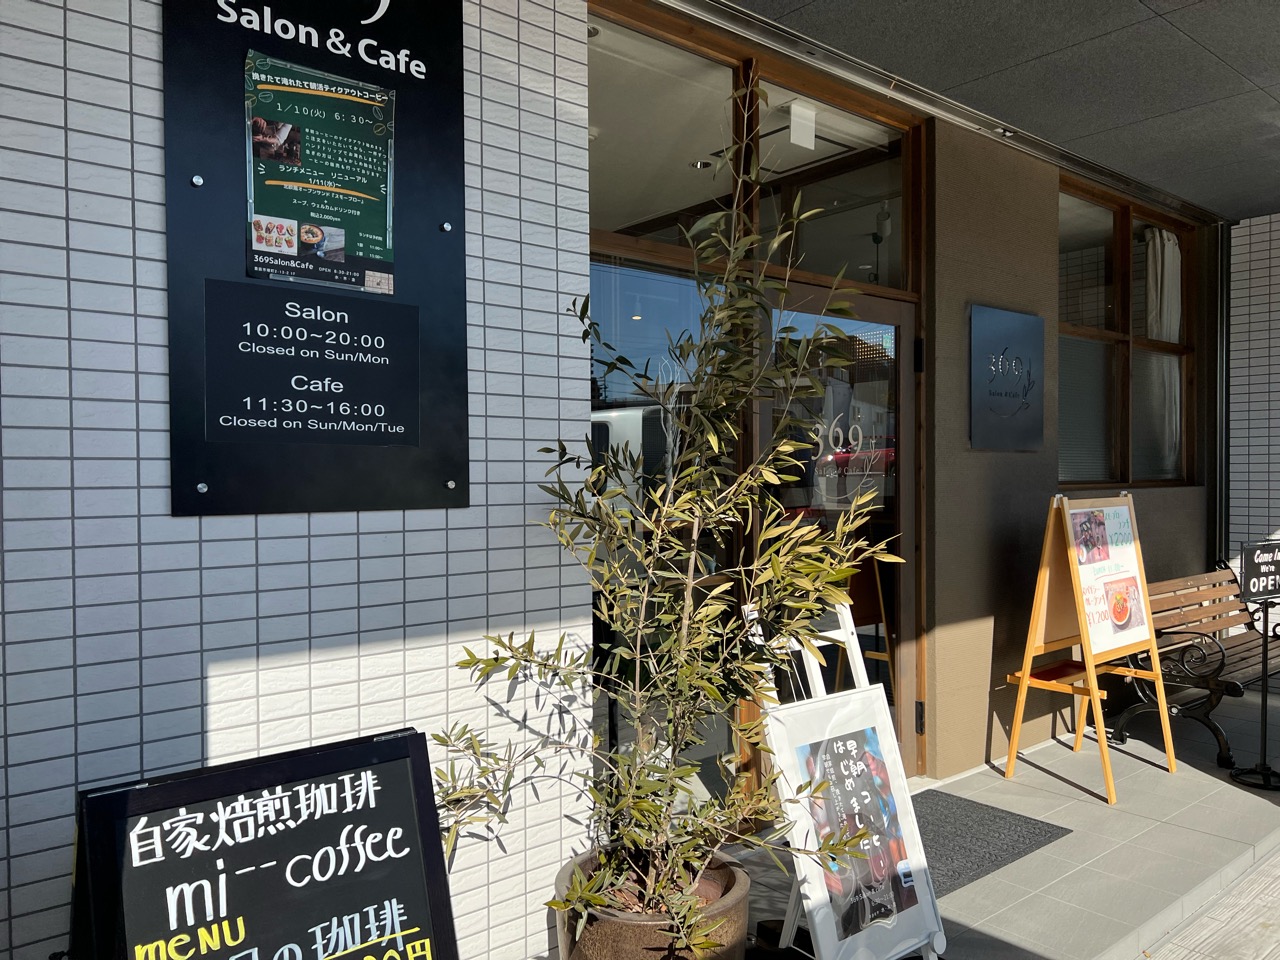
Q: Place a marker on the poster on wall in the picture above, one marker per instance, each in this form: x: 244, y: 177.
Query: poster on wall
x: 1006, y: 403
x: 316, y: 262
x: 880, y: 904
x: 320, y: 152
x: 323, y: 852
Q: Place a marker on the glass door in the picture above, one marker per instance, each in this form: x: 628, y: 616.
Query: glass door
x: 864, y: 436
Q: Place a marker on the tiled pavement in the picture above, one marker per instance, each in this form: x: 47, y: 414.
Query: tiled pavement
x: 1243, y: 923
x: 1178, y: 869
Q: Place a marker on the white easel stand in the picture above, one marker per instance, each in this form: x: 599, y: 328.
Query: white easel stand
x: 846, y: 634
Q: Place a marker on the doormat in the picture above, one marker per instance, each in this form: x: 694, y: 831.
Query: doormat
x: 965, y: 840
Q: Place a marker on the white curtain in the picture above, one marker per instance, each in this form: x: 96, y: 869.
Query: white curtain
x: 1164, y: 322
x: 1164, y: 285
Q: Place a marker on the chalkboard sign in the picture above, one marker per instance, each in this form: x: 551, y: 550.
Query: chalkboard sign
x: 1260, y: 570
x: 326, y: 852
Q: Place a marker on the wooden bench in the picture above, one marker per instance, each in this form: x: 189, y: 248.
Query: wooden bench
x: 1210, y: 648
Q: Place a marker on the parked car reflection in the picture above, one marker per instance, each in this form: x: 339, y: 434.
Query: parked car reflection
x: 876, y: 455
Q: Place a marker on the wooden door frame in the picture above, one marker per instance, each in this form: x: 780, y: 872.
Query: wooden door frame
x: 706, y: 39
x: 904, y: 316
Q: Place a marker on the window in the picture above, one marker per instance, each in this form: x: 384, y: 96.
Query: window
x: 846, y: 169
x: 1123, y: 353
x: 661, y: 123
x: 672, y: 127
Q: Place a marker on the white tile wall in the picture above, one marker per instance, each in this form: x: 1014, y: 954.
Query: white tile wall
x: 1254, y: 405
x: 135, y: 643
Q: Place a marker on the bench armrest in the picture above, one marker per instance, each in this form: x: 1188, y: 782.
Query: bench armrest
x: 1201, y: 657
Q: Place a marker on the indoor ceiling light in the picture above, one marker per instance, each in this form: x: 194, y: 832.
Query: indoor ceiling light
x: 700, y: 164
x: 884, y: 220
x: 804, y: 124
x: 636, y: 316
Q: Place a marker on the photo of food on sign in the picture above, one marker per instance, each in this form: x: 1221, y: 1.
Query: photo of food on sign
x: 857, y: 795
x: 1124, y: 603
x: 275, y: 235
x: 1089, y: 533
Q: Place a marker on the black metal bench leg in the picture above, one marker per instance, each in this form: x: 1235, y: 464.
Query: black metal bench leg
x: 1201, y: 713
x: 1117, y: 734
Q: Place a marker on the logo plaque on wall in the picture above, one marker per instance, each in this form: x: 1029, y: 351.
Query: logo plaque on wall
x: 316, y: 264
x: 1006, y: 408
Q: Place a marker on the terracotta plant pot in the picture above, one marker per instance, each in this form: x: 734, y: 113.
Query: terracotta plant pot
x: 616, y: 935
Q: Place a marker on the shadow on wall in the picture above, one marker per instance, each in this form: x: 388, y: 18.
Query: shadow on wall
x: 1011, y: 549
x: 257, y: 698
x: 264, y: 700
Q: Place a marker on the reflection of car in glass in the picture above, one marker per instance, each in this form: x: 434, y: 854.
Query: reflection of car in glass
x: 876, y: 456
x: 814, y: 516
x: 638, y: 429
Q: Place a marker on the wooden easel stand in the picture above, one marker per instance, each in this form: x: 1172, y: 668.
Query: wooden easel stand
x: 1059, y: 622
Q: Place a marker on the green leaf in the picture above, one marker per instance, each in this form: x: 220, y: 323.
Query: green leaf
x: 672, y: 545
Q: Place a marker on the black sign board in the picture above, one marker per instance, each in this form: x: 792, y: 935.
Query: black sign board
x: 308, y: 369
x: 319, y: 853
x: 1006, y: 405
x: 317, y: 300
x: 1260, y: 570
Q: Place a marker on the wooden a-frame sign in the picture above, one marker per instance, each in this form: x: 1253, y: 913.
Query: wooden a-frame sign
x: 1091, y: 592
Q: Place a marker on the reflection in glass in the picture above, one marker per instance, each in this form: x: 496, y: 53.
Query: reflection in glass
x: 1157, y: 415
x: 660, y: 121
x: 1086, y: 234
x: 639, y: 312
x: 849, y: 169
x: 1084, y: 428
x: 852, y: 426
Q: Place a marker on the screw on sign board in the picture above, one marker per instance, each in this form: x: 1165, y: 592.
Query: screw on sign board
x: 311, y: 855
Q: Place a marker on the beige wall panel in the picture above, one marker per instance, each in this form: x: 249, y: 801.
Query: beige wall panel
x: 982, y: 710
x: 994, y: 218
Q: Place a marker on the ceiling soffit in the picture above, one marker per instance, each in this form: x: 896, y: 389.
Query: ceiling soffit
x: 1176, y: 102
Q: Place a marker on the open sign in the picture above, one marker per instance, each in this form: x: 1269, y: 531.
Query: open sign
x: 1260, y: 570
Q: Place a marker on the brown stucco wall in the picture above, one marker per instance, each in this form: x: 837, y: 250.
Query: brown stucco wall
x: 993, y: 223
x: 992, y: 240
